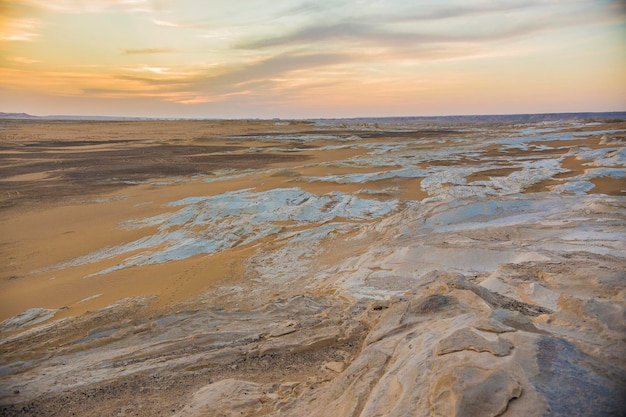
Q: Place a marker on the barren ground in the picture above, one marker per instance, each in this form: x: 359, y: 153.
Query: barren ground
x: 196, y: 268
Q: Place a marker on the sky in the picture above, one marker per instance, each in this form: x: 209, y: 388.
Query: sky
x: 308, y: 59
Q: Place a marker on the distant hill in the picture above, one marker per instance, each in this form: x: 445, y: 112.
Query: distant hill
x: 97, y: 118
x: 17, y: 116
x: 489, y: 118
x: 67, y: 117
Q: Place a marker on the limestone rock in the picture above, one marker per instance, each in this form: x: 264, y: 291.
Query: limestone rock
x: 493, y: 326
x: 431, y: 304
x: 281, y: 329
x: 513, y: 319
x: 226, y: 397
x: 576, y: 384
x: 610, y: 314
x: 29, y: 317
x: 466, y: 339
x: 472, y: 392
x: 335, y: 366
x: 461, y: 283
x: 490, y: 397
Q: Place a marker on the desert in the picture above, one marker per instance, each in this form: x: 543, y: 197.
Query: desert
x: 349, y: 267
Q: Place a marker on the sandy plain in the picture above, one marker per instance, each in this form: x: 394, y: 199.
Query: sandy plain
x: 283, y: 267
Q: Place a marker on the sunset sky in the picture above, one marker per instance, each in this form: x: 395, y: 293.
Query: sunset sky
x: 322, y: 58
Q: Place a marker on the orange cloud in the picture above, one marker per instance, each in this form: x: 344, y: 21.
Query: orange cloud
x: 19, y: 29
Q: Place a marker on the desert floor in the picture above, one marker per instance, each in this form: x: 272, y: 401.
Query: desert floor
x: 207, y: 268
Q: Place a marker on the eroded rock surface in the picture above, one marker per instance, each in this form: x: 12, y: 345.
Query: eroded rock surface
x: 497, y: 292
x: 473, y: 392
x: 466, y: 339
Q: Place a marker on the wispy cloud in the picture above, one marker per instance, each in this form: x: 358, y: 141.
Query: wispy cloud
x: 19, y: 29
x: 186, y: 24
x: 91, y: 6
x: 144, y: 51
x: 64, y: 83
x: 268, y: 68
x: 23, y: 60
x: 168, y: 82
x: 307, y: 8
x: 179, y: 97
x: 186, y: 97
x: 366, y: 34
x: 437, y: 26
x: 150, y: 69
x: 618, y: 7
x: 102, y: 83
x: 290, y: 50
x: 168, y: 23
x: 460, y: 10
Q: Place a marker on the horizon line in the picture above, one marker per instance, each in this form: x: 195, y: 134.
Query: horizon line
x: 23, y: 115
